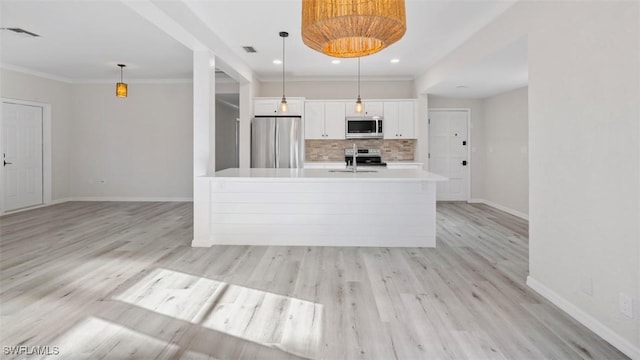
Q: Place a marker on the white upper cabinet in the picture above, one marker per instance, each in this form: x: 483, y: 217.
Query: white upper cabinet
x: 399, y: 120
x: 324, y: 120
x: 314, y: 121
x: 271, y: 106
x: 370, y: 108
x: 334, y: 115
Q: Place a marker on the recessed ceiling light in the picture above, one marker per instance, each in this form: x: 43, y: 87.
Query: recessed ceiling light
x: 395, y: 61
x: 335, y: 61
x: 277, y: 62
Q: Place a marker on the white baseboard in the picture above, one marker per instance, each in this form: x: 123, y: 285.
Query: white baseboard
x: 585, y: 319
x: 58, y: 201
x: 93, y: 198
x: 200, y: 243
x: 501, y: 208
x: 132, y: 199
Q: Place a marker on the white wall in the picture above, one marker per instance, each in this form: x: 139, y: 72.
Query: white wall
x: 21, y: 86
x: 505, y: 170
x: 584, y: 143
x: 141, y: 146
x: 401, y: 89
x: 584, y: 137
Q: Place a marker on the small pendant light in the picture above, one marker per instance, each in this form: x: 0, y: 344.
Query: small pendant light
x: 121, y: 87
x: 359, y: 106
x: 283, y: 104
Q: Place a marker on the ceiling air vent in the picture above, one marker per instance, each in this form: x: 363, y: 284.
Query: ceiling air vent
x: 21, y: 31
x: 249, y: 49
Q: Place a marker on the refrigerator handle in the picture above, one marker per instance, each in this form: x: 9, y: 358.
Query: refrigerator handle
x: 277, y: 144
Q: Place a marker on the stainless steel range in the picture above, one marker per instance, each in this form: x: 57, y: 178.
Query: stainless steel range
x: 364, y: 157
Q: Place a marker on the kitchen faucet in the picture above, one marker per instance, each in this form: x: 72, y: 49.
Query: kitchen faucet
x: 355, y: 154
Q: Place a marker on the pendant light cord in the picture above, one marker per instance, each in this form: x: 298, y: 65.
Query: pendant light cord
x: 358, y: 77
x: 121, y: 69
x: 283, y: 66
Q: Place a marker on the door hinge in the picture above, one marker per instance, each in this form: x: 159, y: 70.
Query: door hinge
x: 429, y: 156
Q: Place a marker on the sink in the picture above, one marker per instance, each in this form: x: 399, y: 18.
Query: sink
x: 350, y: 171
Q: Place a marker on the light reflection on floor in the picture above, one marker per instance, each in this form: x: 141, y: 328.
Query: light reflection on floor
x: 290, y: 324
x: 95, y: 338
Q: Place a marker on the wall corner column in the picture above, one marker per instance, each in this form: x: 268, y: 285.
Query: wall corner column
x: 203, y: 142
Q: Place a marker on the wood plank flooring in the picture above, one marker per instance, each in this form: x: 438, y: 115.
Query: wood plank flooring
x: 115, y: 280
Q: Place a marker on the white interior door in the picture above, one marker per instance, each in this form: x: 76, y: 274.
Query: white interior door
x: 448, y: 152
x: 22, y: 155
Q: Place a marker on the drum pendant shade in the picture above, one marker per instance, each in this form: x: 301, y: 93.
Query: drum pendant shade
x: 352, y: 28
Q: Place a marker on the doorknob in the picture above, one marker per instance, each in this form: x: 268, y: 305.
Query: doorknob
x: 464, y: 162
x: 6, y: 163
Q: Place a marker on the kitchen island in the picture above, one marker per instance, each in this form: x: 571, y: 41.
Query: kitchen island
x: 316, y: 207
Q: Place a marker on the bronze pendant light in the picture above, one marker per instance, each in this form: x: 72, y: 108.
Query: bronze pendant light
x: 121, y: 87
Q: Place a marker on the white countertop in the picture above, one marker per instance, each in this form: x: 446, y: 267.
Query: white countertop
x: 380, y: 174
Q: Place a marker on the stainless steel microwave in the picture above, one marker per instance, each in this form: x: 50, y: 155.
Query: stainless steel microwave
x: 363, y: 127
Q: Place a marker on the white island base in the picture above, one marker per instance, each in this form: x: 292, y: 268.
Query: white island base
x: 316, y: 207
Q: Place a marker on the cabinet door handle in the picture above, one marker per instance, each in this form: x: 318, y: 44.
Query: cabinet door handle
x: 6, y: 163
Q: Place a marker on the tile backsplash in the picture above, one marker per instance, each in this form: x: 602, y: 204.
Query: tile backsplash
x: 333, y: 150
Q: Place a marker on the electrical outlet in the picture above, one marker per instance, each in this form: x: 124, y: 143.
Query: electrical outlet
x: 586, y: 285
x: 626, y: 305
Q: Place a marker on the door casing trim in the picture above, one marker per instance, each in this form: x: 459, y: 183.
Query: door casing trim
x: 469, y: 162
x: 46, y: 150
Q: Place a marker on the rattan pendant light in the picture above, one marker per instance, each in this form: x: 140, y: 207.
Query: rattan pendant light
x: 352, y: 28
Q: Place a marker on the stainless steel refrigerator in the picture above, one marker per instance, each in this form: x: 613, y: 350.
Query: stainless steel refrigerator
x: 277, y: 142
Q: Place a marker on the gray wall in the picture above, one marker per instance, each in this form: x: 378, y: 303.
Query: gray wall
x: 226, y: 150
x: 505, y: 170
x: 400, y: 89
x: 141, y: 146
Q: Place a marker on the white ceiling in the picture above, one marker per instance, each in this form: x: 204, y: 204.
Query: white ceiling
x: 84, y: 40
x: 505, y: 69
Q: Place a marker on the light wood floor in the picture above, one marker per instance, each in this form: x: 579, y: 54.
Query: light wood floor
x: 120, y: 281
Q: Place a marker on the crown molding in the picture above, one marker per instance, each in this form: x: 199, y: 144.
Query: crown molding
x: 134, y: 81
x: 338, y: 78
x: 28, y: 71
